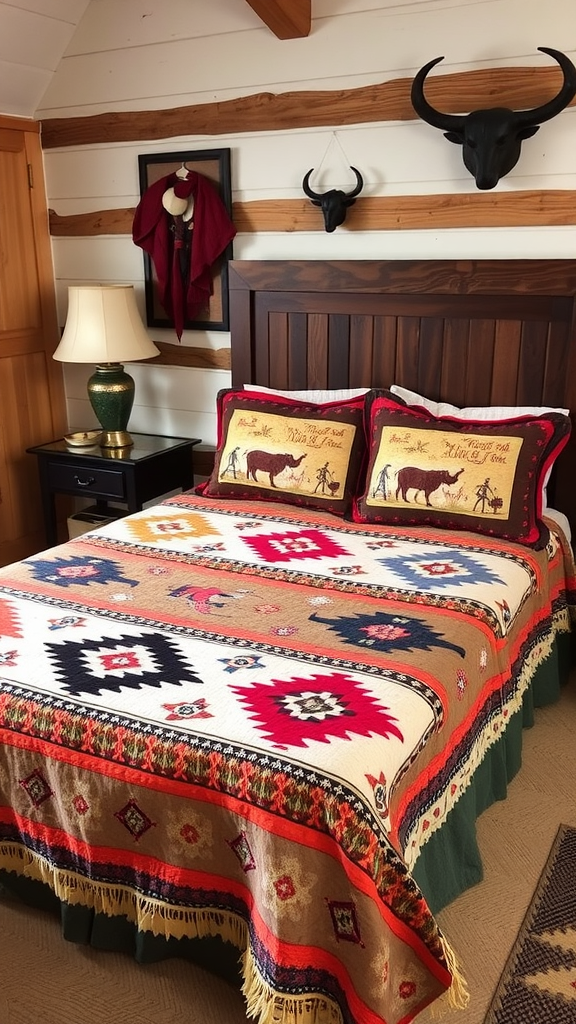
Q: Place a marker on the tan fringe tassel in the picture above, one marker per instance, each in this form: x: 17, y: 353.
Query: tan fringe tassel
x: 268, y: 1007
x: 457, y: 996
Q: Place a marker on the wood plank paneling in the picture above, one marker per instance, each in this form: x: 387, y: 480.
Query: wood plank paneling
x: 278, y: 348
x: 317, y: 350
x: 361, y: 349
x: 338, y: 348
x: 297, y: 351
x: 429, y: 377
x: 479, y: 362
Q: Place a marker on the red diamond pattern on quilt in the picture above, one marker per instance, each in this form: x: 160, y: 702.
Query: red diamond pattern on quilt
x: 285, y: 888
x: 293, y: 545
x: 292, y: 711
x: 81, y: 806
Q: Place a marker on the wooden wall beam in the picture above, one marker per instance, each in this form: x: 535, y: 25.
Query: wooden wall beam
x: 377, y: 213
x: 287, y: 19
x: 192, y: 355
x: 519, y: 87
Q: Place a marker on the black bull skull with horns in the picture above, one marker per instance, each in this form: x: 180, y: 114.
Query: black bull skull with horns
x: 491, y: 139
x: 334, y: 203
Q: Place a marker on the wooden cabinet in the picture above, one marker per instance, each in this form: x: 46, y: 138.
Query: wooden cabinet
x: 32, y: 402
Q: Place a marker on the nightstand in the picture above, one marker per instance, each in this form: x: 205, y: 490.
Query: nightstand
x: 152, y: 467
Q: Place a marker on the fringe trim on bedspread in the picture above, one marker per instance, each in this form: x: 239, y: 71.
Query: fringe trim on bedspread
x: 264, y: 1004
x: 146, y: 912
x: 416, y: 838
x: 268, y: 1007
x: 457, y: 996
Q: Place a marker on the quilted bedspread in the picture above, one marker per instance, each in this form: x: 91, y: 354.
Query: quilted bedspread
x: 244, y: 719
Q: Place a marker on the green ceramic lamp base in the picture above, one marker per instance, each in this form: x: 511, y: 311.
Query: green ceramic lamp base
x: 111, y: 394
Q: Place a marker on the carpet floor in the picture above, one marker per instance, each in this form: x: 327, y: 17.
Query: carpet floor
x: 538, y: 984
x: 45, y: 978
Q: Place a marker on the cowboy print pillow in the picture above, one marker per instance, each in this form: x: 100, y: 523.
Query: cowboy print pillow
x: 478, y: 475
x: 279, y: 449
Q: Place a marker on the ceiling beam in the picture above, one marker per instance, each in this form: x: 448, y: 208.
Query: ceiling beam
x: 287, y: 19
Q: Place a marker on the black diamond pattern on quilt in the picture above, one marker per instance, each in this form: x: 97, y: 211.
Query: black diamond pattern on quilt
x: 94, y: 666
x: 134, y: 819
x: 36, y: 787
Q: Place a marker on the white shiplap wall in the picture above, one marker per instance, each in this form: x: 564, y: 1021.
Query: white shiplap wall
x: 147, y: 54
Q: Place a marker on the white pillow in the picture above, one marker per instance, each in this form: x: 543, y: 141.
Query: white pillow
x: 560, y: 519
x: 316, y: 396
x: 478, y: 412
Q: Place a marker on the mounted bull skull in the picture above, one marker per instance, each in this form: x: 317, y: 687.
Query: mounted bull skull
x: 491, y: 139
x: 334, y: 203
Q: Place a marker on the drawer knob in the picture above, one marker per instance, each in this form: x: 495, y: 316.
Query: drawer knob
x: 84, y: 483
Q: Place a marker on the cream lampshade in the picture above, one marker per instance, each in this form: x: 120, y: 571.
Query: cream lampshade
x: 103, y: 326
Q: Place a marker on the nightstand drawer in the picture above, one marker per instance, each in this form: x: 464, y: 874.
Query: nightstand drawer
x: 86, y: 480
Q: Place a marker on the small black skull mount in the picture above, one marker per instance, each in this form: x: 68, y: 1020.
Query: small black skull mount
x: 334, y: 203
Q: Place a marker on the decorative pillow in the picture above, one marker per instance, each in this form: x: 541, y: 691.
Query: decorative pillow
x: 275, y: 448
x: 477, y: 412
x: 479, y: 475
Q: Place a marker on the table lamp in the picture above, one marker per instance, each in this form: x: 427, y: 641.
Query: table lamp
x: 103, y: 326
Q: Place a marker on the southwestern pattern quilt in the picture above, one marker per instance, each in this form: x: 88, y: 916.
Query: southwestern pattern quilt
x: 242, y: 719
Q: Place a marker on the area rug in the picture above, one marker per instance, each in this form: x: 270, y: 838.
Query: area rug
x: 538, y: 984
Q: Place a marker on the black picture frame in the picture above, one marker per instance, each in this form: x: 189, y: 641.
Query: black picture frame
x: 215, y: 165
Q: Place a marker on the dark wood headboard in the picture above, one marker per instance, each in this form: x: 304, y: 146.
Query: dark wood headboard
x: 470, y: 332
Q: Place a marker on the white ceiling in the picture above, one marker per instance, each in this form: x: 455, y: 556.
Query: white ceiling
x: 35, y: 34
x: 33, y: 37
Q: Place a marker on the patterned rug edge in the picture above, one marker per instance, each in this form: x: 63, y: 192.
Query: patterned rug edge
x: 496, y: 1006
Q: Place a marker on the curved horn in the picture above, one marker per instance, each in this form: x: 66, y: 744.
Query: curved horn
x: 528, y: 118
x: 307, y: 189
x: 358, y: 186
x: 447, y: 122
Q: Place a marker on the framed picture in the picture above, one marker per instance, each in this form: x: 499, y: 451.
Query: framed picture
x: 213, y: 164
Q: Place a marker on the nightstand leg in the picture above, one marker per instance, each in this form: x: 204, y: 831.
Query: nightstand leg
x: 48, y: 506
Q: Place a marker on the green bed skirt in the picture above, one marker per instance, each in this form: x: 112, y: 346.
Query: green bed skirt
x: 449, y: 864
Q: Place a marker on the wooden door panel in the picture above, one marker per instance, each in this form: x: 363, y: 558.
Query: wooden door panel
x: 32, y: 406
x: 19, y: 286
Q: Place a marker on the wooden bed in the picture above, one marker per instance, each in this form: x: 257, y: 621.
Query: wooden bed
x: 241, y: 718
x: 468, y: 332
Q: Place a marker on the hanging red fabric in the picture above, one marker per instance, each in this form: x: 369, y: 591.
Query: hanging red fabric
x: 184, y: 294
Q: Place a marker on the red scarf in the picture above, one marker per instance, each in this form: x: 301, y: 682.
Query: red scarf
x: 183, y: 294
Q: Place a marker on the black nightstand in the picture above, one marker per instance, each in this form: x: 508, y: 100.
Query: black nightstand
x: 153, y: 466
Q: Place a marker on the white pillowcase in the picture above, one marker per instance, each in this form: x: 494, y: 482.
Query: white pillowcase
x: 479, y: 412
x: 317, y: 396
